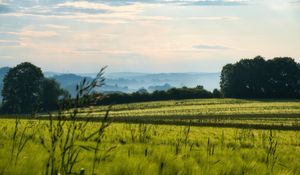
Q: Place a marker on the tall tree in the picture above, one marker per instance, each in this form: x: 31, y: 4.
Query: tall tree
x: 257, y: 78
x: 284, y: 78
x: 250, y: 78
x: 50, y: 94
x: 21, y: 89
x: 228, y: 83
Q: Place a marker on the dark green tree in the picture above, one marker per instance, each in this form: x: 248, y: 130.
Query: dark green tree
x: 21, y: 89
x: 250, y: 78
x: 50, y: 94
x: 228, y: 82
x: 284, y: 78
x: 258, y: 78
x: 216, y: 93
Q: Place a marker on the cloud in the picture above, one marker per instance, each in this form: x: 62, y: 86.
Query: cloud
x: 85, y: 5
x: 210, y: 47
x: 110, y: 12
x: 76, y: 10
x: 102, y: 8
x: 281, y: 5
x: 56, y: 26
x: 91, y: 12
x: 89, y: 51
x: 216, y: 3
x: 181, y: 2
x: 295, y: 2
x: 9, y: 43
x: 4, y: 8
x: 214, y: 18
x: 33, y: 33
x: 185, y: 2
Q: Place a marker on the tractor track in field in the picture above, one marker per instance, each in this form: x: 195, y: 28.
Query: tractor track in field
x: 200, y: 120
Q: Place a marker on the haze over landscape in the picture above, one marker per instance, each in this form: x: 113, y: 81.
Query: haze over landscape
x: 150, y: 87
x: 153, y: 36
x: 128, y: 82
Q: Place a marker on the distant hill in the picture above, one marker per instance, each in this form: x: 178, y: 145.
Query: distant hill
x: 69, y: 81
x: 135, y: 81
x: 125, y: 74
x: 51, y: 74
x: 3, y: 72
x: 132, y: 81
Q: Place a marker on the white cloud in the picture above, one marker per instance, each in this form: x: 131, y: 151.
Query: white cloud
x: 56, y: 26
x: 3, y: 1
x: 214, y: 18
x: 128, y: 33
x: 211, y: 47
x: 33, y: 33
x: 280, y: 5
x: 115, y: 14
x: 132, y: 8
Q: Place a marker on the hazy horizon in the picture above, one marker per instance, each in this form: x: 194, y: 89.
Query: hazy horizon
x: 153, y: 36
x: 118, y: 72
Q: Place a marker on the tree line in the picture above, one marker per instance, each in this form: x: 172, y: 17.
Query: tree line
x: 172, y: 94
x: 259, y: 78
x: 26, y: 90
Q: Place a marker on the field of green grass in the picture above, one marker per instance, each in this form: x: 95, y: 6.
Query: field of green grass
x: 159, y: 149
x: 200, y: 107
x: 259, y: 114
x: 236, y: 137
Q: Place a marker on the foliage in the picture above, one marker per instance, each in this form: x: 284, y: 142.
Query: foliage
x: 260, y: 78
x: 172, y: 94
x: 26, y: 91
x: 50, y: 94
x: 21, y: 89
x: 216, y: 93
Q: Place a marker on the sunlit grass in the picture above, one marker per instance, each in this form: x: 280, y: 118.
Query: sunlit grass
x: 160, y: 149
x: 173, y: 149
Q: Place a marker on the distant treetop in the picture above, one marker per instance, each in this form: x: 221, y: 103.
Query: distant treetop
x: 260, y: 78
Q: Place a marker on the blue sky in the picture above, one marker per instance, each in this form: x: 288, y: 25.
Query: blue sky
x: 146, y: 36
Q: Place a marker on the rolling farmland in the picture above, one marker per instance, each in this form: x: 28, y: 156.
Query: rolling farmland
x: 260, y: 114
x: 159, y: 149
x: 235, y: 137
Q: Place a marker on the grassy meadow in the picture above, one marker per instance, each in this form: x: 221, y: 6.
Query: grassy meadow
x: 159, y: 138
x: 259, y: 114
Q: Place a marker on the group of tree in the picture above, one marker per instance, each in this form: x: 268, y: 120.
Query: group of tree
x: 260, y: 78
x: 172, y: 94
x: 26, y: 90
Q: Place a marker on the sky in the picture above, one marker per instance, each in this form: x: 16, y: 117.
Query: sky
x: 146, y: 36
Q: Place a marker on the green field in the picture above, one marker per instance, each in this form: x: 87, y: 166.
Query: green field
x: 263, y: 114
x: 140, y: 142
